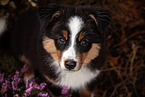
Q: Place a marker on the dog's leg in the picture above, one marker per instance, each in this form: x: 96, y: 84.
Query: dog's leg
x: 29, y: 73
x: 86, y: 93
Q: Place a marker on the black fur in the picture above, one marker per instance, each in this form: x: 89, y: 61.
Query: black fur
x: 48, y: 21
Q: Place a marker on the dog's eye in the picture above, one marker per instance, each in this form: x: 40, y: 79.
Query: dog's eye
x: 61, y: 40
x: 84, y: 42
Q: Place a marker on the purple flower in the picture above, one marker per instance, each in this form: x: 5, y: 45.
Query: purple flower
x: 7, y: 82
x: 27, y: 83
x: 35, y: 86
x: 24, y: 69
x: 4, y: 88
x: 29, y: 90
x: 16, y: 95
x: 25, y: 95
x: 43, y: 94
x: 15, y: 85
x: 31, y: 84
x: 16, y: 81
x: 64, y: 90
x: 1, y: 78
x: 42, y: 86
x: 16, y: 76
x: 10, y: 77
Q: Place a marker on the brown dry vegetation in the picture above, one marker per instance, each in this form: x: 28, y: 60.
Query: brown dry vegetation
x: 124, y: 71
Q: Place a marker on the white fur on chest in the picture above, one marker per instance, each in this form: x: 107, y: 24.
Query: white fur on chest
x: 78, y: 79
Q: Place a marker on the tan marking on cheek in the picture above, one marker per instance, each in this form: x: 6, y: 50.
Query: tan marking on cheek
x: 49, y: 46
x: 81, y: 58
x: 59, y: 54
x: 79, y: 62
x: 81, y: 36
x: 65, y: 34
x: 24, y: 59
x: 93, y: 53
x: 84, y: 55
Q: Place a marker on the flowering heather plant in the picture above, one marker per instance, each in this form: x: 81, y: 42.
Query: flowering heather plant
x: 65, y: 92
x: 13, y: 84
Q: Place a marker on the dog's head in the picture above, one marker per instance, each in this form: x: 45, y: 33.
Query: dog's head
x: 73, y: 35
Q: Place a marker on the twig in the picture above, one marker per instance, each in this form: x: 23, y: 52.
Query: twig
x: 104, y: 93
x: 132, y: 35
x: 133, y: 57
x: 117, y: 87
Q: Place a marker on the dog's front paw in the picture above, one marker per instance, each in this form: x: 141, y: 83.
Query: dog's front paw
x: 28, y: 73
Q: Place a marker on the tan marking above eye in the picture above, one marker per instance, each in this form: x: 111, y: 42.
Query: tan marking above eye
x: 81, y: 36
x: 65, y: 34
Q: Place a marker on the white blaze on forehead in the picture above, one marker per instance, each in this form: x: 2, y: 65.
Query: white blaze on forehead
x: 75, y: 25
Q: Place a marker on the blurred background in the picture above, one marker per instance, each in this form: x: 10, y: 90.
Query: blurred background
x: 124, y: 72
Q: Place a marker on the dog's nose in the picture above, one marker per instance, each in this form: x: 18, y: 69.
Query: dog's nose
x: 70, y: 64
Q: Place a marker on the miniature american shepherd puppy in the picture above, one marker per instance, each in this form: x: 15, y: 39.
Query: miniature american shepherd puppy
x: 64, y: 44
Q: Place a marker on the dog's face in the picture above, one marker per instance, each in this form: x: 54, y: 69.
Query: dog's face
x: 73, y: 35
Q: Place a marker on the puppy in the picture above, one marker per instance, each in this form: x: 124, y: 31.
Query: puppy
x: 64, y: 44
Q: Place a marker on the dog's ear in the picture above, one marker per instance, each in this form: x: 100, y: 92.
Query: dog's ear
x: 102, y: 18
x: 49, y: 14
